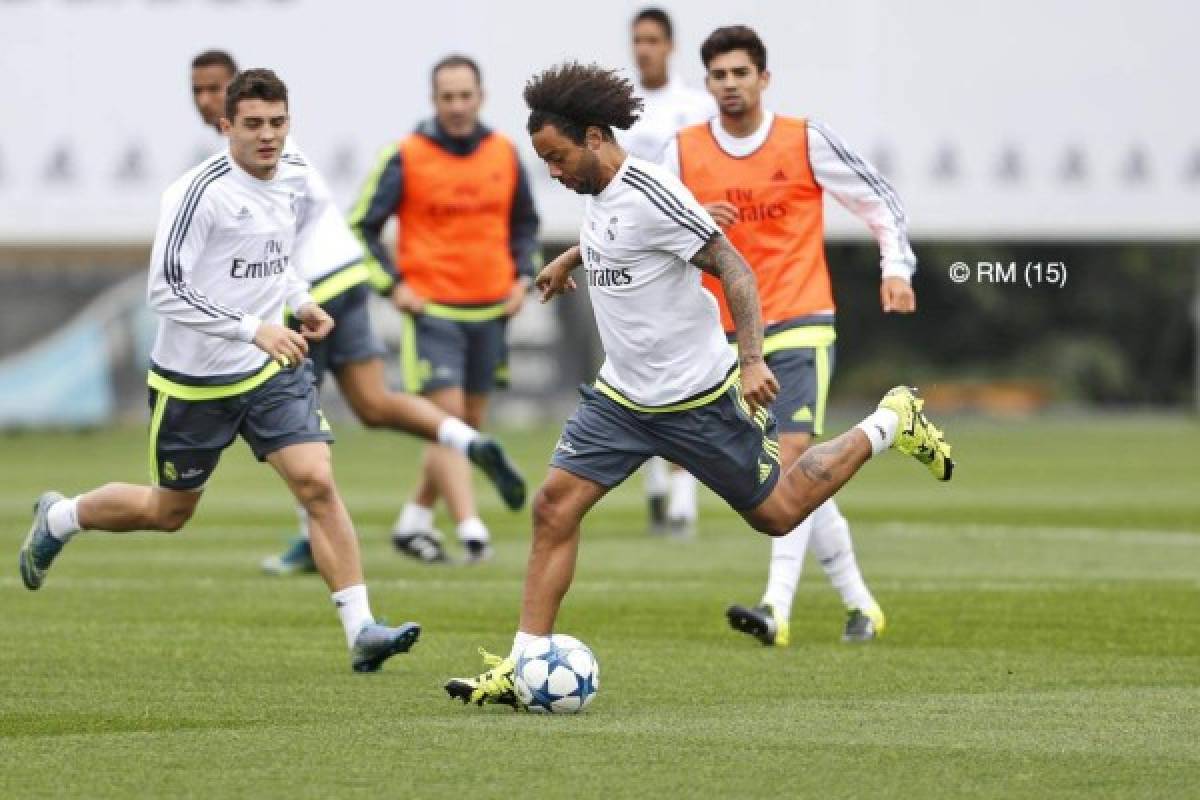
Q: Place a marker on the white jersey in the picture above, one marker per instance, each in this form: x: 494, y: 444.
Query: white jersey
x: 660, y: 329
x: 847, y: 176
x: 666, y: 111
x: 329, y: 244
x: 222, y: 263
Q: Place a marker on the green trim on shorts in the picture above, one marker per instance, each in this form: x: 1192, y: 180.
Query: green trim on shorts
x: 822, y: 363
x: 461, y: 314
x: 409, y: 368
x: 182, y: 391
x: 733, y: 379
x: 819, y: 338
x: 762, y: 418
x: 160, y: 408
x: 803, y: 336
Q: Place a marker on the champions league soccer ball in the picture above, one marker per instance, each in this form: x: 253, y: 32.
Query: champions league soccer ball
x: 556, y: 675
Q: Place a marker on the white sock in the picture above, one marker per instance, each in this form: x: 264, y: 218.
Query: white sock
x: 519, y: 642
x: 63, y: 519
x: 832, y: 546
x: 657, y: 477
x: 414, y: 519
x: 456, y: 434
x: 682, y: 504
x: 880, y: 428
x: 353, y: 609
x: 787, y: 560
x: 472, y: 529
x: 302, y: 522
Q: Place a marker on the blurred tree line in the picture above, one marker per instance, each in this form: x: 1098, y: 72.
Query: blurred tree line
x: 1121, y: 332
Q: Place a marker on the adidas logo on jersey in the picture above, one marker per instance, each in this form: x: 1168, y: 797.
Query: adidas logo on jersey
x: 779, y: 176
x: 243, y: 215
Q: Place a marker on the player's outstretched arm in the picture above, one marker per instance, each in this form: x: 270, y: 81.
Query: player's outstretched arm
x: 719, y: 258
x: 555, y: 278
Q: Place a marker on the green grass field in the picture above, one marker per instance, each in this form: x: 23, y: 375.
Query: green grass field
x: 1044, y: 639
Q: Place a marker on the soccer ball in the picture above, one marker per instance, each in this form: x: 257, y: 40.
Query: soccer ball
x: 556, y: 674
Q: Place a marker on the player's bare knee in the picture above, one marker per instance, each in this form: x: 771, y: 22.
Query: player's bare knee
x: 371, y: 413
x: 543, y: 509
x: 774, y: 525
x: 774, y: 518
x: 313, y: 484
x: 370, y: 406
x: 549, y: 513
x: 170, y: 518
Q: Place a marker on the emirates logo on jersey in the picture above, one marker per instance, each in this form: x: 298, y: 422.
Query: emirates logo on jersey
x: 601, y: 274
x: 755, y: 209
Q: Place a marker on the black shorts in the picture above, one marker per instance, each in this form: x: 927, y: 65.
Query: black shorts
x: 187, y: 437
x: 730, y: 450
x: 440, y: 353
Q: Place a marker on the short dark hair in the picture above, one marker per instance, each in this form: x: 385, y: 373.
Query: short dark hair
x: 215, y: 58
x: 659, y: 16
x: 573, y: 97
x: 253, y: 84
x: 455, y: 60
x: 734, y: 37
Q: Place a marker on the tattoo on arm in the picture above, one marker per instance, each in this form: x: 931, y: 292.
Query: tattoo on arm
x: 720, y: 259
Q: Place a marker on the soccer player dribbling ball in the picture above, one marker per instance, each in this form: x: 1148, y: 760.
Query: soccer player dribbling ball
x: 670, y: 385
x: 224, y: 364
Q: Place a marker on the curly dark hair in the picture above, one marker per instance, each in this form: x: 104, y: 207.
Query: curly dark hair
x: 259, y: 84
x: 574, y: 97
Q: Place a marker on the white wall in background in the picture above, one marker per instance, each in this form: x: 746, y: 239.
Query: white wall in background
x: 1021, y: 118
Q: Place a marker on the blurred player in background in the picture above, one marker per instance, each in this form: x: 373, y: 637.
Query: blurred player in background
x: 330, y: 258
x: 465, y: 257
x: 668, y: 105
x: 670, y: 384
x: 224, y: 363
x: 762, y: 176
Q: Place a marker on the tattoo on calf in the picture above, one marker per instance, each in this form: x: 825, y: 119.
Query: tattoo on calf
x: 817, y: 462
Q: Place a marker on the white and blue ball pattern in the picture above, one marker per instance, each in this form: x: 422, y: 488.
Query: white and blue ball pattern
x: 556, y: 675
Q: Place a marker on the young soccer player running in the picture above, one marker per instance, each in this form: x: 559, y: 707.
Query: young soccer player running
x: 667, y: 105
x: 330, y: 258
x: 670, y: 384
x: 225, y: 364
x: 763, y: 177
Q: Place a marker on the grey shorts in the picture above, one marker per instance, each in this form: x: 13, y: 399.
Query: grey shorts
x: 439, y: 353
x: 731, y: 451
x: 352, y: 339
x: 803, y: 374
x: 187, y: 437
x: 800, y: 353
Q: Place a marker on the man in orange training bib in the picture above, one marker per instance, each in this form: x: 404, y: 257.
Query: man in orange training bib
x: 466, y: 253
x: 763, y: 176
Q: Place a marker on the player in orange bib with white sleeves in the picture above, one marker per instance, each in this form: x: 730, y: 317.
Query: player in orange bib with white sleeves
x: 763, y: 177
